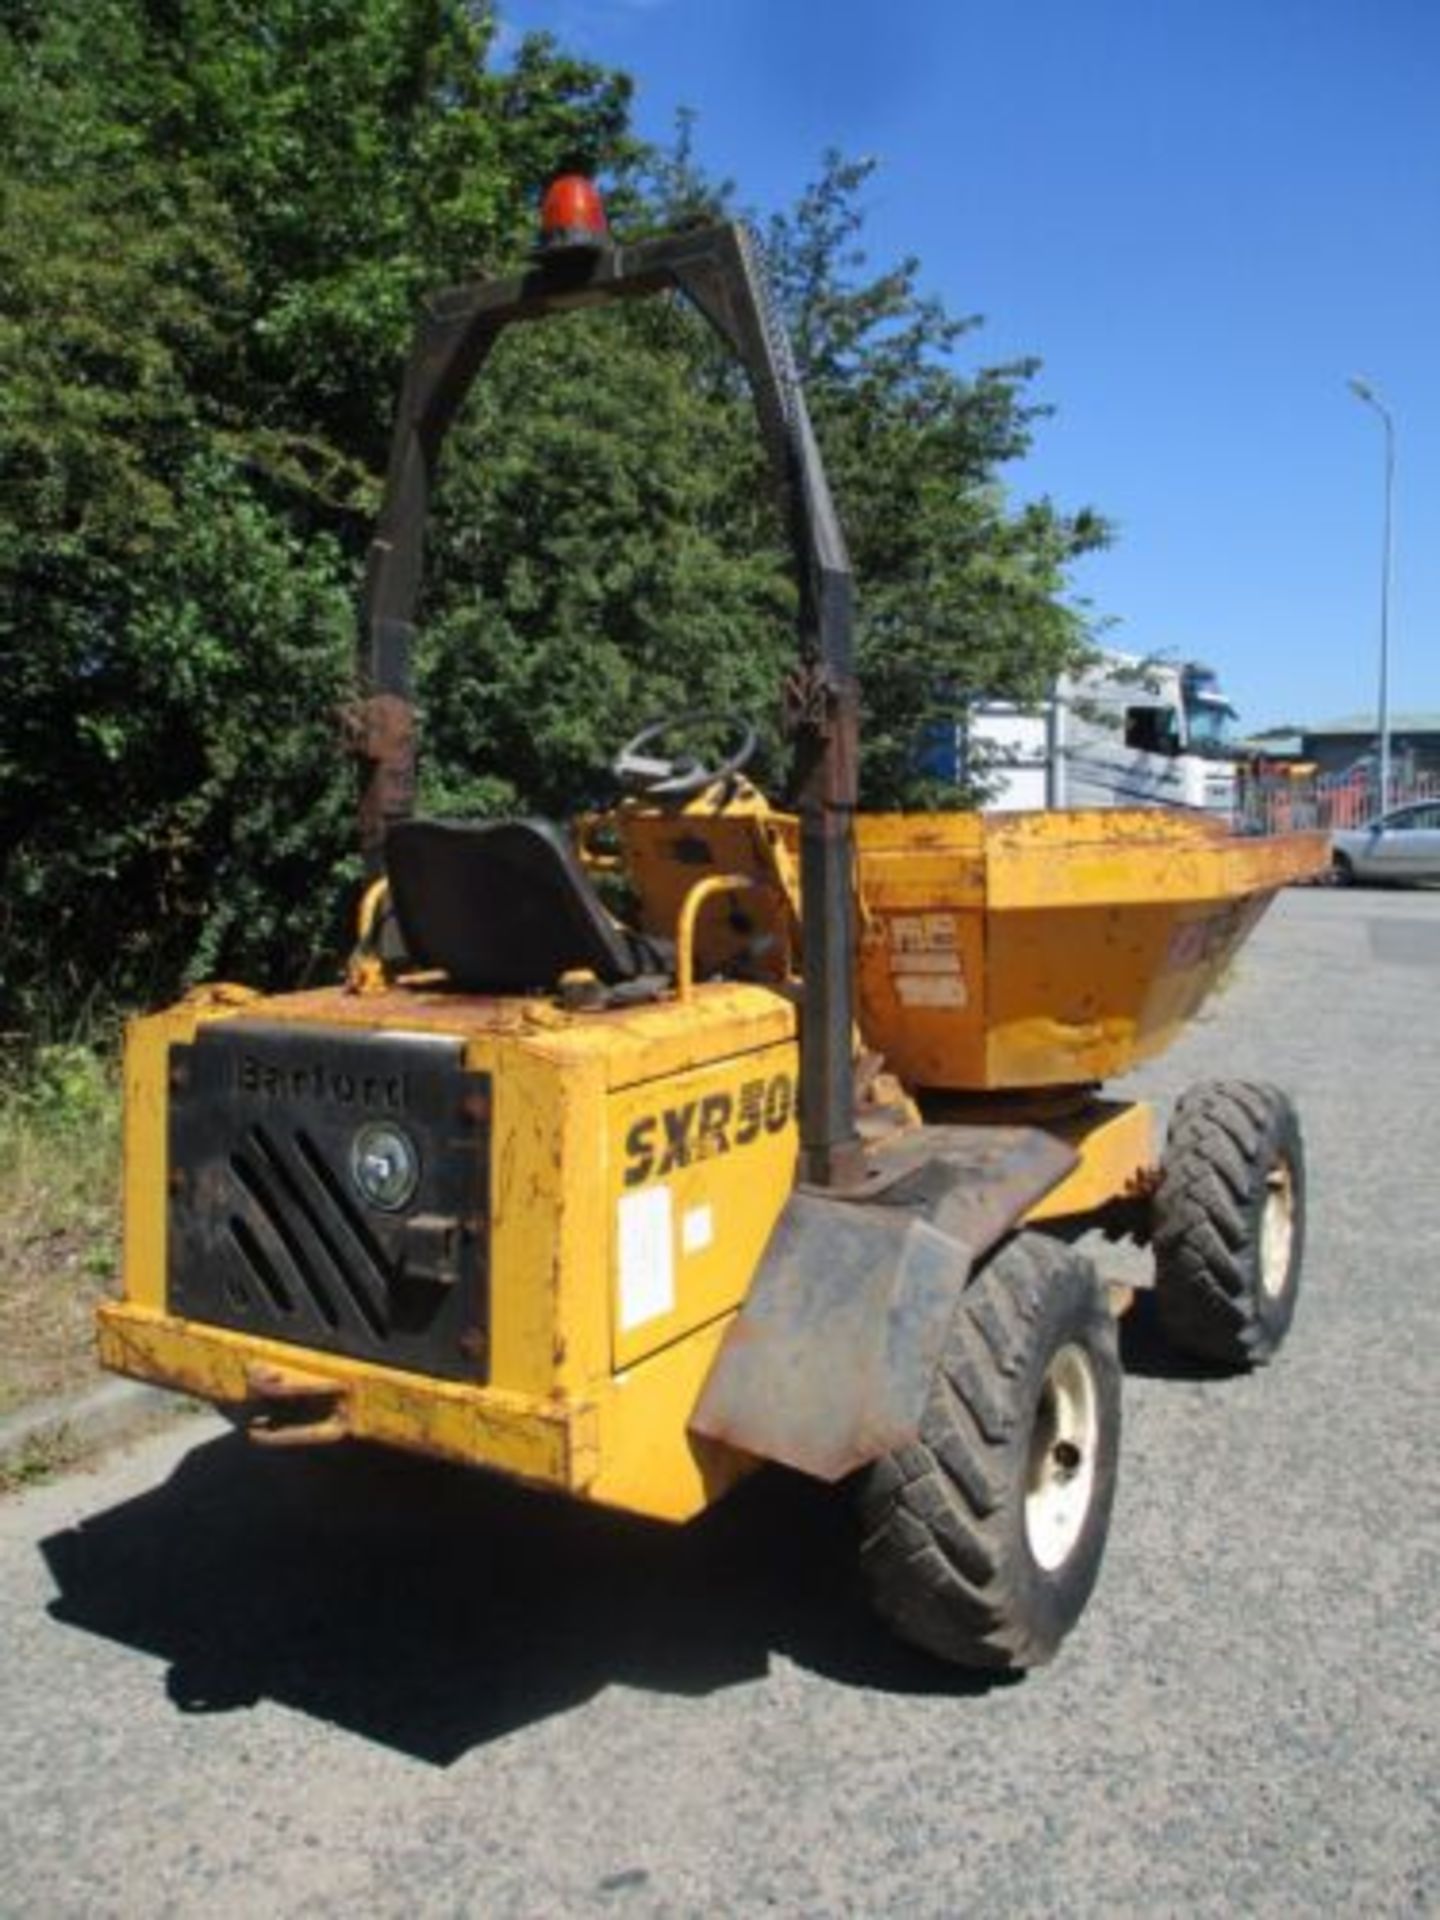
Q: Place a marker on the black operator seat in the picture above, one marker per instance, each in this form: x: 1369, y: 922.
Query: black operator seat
x: 504, y: 906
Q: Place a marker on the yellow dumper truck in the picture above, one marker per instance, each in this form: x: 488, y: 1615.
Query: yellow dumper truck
x: 788, y: 1163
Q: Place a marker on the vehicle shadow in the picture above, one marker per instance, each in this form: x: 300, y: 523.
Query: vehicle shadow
x: 1146, y: 1353
x: 433, y: 1610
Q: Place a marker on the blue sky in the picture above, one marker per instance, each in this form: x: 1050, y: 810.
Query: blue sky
x: 1203, y: 215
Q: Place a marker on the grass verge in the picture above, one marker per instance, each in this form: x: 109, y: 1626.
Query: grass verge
x: 59, y: 1215
x: 38, y: 1460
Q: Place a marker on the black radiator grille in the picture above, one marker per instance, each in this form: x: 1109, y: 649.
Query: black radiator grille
x: 268, y: 1232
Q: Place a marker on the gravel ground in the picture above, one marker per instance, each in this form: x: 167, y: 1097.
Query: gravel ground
x: 249, y: 1685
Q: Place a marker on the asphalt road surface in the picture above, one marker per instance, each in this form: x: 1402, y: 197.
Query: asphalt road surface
x: 235, y: 1684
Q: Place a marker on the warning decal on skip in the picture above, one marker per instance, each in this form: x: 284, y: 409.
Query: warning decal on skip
x: 925, y: 960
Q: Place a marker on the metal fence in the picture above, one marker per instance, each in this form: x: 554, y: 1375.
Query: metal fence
x: 1268, y: 804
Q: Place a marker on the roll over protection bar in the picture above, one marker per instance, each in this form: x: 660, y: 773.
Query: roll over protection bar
x: 719, y: 271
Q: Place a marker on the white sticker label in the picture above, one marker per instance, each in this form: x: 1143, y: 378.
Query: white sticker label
x: 930, y: 990
x: 697, y: 1230
x: 925, y: 963
x: 916, y: 933
x: 907, y: 933
x: 647, y: 1256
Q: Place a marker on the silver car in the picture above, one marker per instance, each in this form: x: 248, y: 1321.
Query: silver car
x: 1402, y: 846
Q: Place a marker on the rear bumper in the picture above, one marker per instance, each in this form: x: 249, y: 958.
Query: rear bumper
x: 550, y: 1444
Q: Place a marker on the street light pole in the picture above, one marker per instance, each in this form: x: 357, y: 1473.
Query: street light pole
x: 1364, y: 391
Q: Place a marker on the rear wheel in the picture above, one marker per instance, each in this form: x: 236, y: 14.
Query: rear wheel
x: 981, y: 1541
x: 1230, y: 1222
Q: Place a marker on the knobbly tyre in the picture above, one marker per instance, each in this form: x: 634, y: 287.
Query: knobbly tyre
x: 788, y: 1169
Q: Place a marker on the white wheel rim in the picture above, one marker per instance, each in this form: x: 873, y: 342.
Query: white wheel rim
x: 1064, y: 1441
x: 1277, y: 1229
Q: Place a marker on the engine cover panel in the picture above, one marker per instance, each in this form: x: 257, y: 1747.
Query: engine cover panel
x: 269, y: 1229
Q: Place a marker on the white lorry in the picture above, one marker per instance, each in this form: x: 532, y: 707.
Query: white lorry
x: 1121, y: 732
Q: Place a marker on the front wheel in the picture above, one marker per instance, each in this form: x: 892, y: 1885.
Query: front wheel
x: 1229, y: 1226
x: 982, y: 1540
x: 1342, y: 870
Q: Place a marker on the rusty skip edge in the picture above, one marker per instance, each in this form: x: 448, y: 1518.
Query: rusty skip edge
x: 829, y: 1362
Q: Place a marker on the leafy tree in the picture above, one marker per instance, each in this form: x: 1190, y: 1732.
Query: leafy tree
x: 605, y: 548
x: 218, y: 218
x: 604, y: 553
x: 111, y: 278
x: 959, y: 594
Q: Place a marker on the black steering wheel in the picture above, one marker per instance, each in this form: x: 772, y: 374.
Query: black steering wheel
x: 681, y: 777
